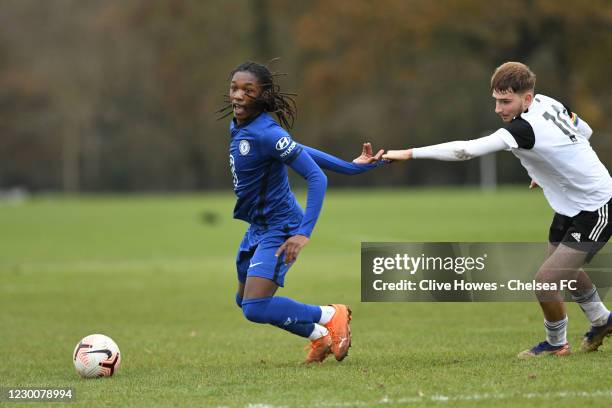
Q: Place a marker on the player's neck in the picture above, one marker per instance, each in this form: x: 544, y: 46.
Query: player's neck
x: 246, y: 120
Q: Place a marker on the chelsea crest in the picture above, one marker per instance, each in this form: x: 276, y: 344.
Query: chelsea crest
x: 244, y: 147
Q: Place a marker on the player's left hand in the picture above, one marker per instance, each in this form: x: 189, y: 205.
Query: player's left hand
x: 366, y: 155
x: 292, y: 247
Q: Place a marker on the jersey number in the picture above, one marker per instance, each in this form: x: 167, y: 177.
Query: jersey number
x: 559, y: 124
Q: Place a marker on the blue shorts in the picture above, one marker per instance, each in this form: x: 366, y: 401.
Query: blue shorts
x: 256, y: 253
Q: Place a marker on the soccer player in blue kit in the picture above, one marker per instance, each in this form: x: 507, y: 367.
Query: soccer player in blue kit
x: 260, y: 152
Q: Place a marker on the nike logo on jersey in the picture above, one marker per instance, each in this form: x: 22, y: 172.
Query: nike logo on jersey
x: 341, y: 342
x: 255, y: 264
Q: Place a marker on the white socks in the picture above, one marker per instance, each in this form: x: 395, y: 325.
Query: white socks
x: 318, y: 332
x: 556, y: 332
x: 593, y: 307
x: 327, y: 312
x: 596, y: 312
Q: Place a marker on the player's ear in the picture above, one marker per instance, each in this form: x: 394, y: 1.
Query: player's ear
x: 527, y: 98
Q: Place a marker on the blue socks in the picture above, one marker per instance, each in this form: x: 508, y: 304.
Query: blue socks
x: 297, y: 318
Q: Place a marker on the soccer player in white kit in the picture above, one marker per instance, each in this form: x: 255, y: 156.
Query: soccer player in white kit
x: 552, y: 144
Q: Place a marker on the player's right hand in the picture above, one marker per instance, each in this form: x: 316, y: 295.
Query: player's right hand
x: 367, y: 156
x: 394, y: 155
x: 292, y: 247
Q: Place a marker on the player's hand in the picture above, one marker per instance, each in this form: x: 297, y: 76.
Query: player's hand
x: 533, y: 185
x: 366, y: 155
x: 292, y: 247
x: 395, y: 155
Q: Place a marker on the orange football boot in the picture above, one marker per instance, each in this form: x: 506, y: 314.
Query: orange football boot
x: 340, y: 331
x: 319, y: 349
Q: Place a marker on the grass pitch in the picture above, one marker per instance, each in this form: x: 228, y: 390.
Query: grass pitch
x: 156, y: 273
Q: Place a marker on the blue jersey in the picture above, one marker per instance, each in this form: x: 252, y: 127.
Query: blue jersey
x: 259, y: 153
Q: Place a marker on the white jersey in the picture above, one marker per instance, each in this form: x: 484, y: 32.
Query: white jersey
x: 554, y: 148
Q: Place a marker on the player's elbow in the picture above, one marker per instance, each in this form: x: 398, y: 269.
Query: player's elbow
x: 463, y: 154
x: 323, y: 180
x: 318, y: 178
x: 463, y: 151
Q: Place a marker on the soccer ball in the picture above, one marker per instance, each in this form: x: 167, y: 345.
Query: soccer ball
x: 96, y: 356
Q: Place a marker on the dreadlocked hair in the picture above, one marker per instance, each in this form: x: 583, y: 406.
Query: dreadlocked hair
x: 282, y: 104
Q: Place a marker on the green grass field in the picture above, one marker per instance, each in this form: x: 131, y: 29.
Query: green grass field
x: 150, y: 273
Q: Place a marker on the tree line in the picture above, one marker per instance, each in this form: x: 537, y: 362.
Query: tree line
x: 121, y: 95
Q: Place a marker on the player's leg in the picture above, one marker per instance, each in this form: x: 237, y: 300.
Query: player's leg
x: 582, y: 237
x: 265, y: 274
x: 261, y: 306
x: 590, y: 232
x: 256, y: 287
x: 586, y: 296
x: 555, y: 319
x: 246, y: 250
x: 588, y: 299
x: 551, y: 303
x: 243, y: 258
x: 563, y: 263
x: 595, y: 310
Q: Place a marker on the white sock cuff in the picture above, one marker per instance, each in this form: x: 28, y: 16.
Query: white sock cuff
x: 556, y: 332
x: 327, y: 312
x: 318, y: 332
x: 556, y: 325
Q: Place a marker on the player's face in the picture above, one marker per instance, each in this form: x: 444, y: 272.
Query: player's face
x: 244, y: 90
x: 509, y: 104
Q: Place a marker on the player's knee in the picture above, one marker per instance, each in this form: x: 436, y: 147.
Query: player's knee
x: 255, y: 310
x: 544, y: 275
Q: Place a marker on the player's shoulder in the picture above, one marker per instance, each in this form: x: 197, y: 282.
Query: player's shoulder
x: 543, y: 102
x: 270, y: 132
x: 541, y: 98
x: 522, y: 131
x: 272, y: 128
x: 274, y: 140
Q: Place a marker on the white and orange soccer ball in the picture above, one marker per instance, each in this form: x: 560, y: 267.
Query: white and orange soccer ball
x: 96, y: 355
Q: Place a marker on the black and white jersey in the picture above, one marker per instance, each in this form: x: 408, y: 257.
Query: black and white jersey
x: 553, y: 146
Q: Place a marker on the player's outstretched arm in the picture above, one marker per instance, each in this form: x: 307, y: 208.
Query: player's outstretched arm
x: 317, y: 184
x: 366, y: 161
x: 451, y: 151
